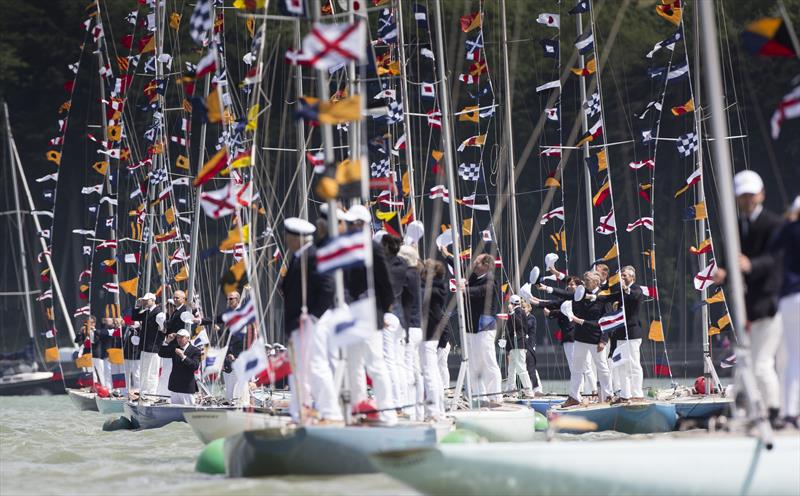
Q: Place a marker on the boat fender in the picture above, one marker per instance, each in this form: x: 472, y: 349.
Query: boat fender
x: 700, y: 386
x: 117, y: 424
x: 212, y: 458
x: 102, y: 391
x: 461, y: 436
x: 540, y: 422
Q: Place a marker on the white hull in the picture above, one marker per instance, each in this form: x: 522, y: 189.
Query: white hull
x: 507, y: 423
x: 209, y: 425
x: 700, y: 464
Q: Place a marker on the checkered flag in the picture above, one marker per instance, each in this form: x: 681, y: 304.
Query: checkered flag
x: 395, y: 113
x: 158, y: 176
x: 592, y: 105
x: 200, y: 22
x: 687, y: 144
x: 469, y: 172
x: 379, y: 168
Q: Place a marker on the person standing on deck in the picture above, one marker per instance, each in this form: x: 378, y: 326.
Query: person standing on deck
x: 482, y: 296
x: 182, y: 384
x: 394, y: 338
x: 132, y: 352
x: 762, y: 272
x: 530, y: 348
x: 435, y: 323
x: 411, y: 301
x: 309, y: 341
x: 516, y: 346
x: 630, y: 376
x: 148, y: 314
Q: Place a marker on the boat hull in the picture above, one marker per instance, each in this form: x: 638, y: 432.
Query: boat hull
x: 663, y: 466
x: 317, y: 450
x: 82, y: 399
x: 109, y: 406
x: 508, y: 423
x: 153, y: 416
x: 37, y: 383
x: 633, y: 418
x: 702, y: 407
x: 209, y: 425
x: 542, y: 404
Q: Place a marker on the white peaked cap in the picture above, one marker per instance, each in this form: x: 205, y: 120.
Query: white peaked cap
x: 298, y: 226
x: 550, y: 260
x: 747, y: 182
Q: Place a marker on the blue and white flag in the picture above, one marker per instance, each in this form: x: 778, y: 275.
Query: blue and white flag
x: 420, y: 15
x: 215, y: 359
x: 238, y: 319
x: 668, y: 43
x: 250, y: 362
x: 350, y: 325
x: 347, y: 250
x: 612, y: 321
x: 201, y: 339
x: 585, y: 42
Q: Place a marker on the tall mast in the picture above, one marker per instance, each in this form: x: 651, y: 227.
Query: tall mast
x: 20, y: 233
x: 106, y: 178
x: 509, y: 134
x: 447, y: 144
x: 723, y: 165
x: 701, y: 198
x: 300, y: 126
x: 406, y: 108
x: 32, y: 206
x: 587, y: 175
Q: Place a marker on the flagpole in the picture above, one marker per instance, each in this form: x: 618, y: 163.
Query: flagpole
x: 723, y: 165
x: 20, y: 234
x: 300, y: 126
x: 161, y: 138
x: 701, y: 198
x: 42, y: 242
x: 455, y: 226
x: 587, y: 174
x: 510, y: 148
x: 406, y: 109
x: 106, y: 178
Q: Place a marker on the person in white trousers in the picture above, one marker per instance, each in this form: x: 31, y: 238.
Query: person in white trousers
x: 368, y: 355
x: 149, y: 314
x: 393, y: 352
x: 517, y: 330
x: 628, y: 375
x: 443, y: 359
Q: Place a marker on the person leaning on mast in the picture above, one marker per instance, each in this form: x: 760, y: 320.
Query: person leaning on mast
x: 309, y: 341
x: 481, y: 291
x: 762, y: 272
x: 185, y: 361
x: 149, y: 314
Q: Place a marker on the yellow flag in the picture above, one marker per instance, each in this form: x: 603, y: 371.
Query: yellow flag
x: 406, y: 184
x: 54, y: 157
x: 613, y: 280
x: 717, y: 297
x: 130, y: 286
x: 348, y: 172
x: 115, y: 356
x: 346, y: 110
x: 183, y: 274
x: 252, y: 118
x: 51, y: 354
x: 385, y: 216
x: 437, y: 155
x: 713, y: 330
x: 235, y: 237
x: 236, y: 275
x: 724, y: 321
x: 469, y: 114
x: 656, y: 331
x: 182, y: 162
x: 175, y: 21
x: 212, y: 104
x: 392, y: 69
x: 169, y: 215
x: 466, y: 227
x: 611, y: 253
x: 100, y: 167
x: 84, y: 361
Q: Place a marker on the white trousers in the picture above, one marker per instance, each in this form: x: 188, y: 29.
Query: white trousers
x: 132, y: 374
x: 415, y: 390
x: 235, y: 390
x: 181, y: 398
x: 431, y: 379
x: 580, y: 351
x: 484, y: 372
x: 148, y: 372
x: 790, y: 314
x: 442, y: 355
x: 589, y: 379
x: 391, y: 350
x: 99, y: 366
x: 368, y: 354
x: 517, y: 367
x: 628, y: 377
x: 163, y: 376
x: 765, y: 338
x: 311, y: 348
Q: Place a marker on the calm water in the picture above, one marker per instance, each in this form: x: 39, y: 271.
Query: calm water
x: 47, y: 447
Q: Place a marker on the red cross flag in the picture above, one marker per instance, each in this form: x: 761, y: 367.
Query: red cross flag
x: 224, y: 201
x: 705, y: 277
x: 607, y: 224
x: 329, y: 45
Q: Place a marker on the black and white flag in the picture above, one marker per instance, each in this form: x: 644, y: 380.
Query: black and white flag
x: 687, y: 144
x: 592, y: 105
x: 469, y: 172
x: 201, y: 21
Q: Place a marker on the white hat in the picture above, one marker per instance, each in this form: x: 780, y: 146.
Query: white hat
x: 550, y: 260
x: 324, y: 209
x: 414, y: 232
x: 184, y: 333
x: 149, y: 296
x: 358, y: 213
x: 378, y: 236
x: 525, y: 291
x: 747, y: 182
x: 170, y: 301
x: 186, y: 317
x: 533, y: 277
x: 515, y: 300
x: 298, y: 226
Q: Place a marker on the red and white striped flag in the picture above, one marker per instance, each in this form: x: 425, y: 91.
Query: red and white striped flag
x: 644, y: 221
x: 555, y: 213
x: 641, y: 163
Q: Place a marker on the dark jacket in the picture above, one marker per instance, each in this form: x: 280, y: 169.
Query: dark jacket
x: 99, y: 349
x: 517, y: 329
x: 765, y: 277
x: 149, y: 332
x: 482, y: 299
x: 590, y: 311
x: 181, y: 379
x: 355, y: 283
x: 397, y: 273
x: 130, y: 350
x: 174, y: 322
x: 554, y: 305
x: 319, y: 290
x: 444, y: 339
x: 435, y: 321
x: 412, y: 297
x: 530, y: 319
x: 788, y: 241
x: 632, y: 303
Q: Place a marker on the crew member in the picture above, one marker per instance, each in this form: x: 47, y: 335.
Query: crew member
x: 516, y: 346
x: 628, y: 376
x: 185, y: 361
x: 148, y: 314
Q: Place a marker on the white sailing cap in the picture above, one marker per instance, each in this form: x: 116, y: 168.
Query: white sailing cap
x: 358, y: 213
x: 378, y: 236
x: 747, y: 182
x: 550, y: 260
x: 149, y: 296
x: 515, y: 300
x: 184, y: 333
x: 298, y: 226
